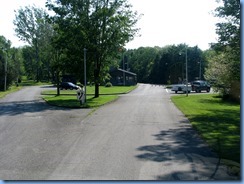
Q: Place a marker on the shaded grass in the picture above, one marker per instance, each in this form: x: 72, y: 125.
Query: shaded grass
x: 218, y: 122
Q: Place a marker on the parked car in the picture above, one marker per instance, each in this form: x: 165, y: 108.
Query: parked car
x: 181, y: 87
x: 68, y: 85
x: 200, y: 85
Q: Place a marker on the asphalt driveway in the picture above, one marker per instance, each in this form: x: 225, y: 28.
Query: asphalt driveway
x: 140, y: 136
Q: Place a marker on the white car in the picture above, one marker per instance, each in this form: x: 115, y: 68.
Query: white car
x: 181, y: 87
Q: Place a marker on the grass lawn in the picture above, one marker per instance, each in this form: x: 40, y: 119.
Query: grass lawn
x: 218, y: 122
x: 68, y: 98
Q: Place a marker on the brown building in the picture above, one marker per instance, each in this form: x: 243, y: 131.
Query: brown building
x: 121, y: 77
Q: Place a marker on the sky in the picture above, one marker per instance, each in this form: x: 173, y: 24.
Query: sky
x: 164, y: 22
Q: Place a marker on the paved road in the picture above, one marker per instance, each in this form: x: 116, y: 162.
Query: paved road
x: 141, y: 136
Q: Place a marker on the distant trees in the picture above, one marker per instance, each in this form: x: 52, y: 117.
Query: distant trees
x: 165, y: 65
x: 11, y: 65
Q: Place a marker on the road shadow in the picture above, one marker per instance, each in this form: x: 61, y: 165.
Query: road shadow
x: 182, y: 140
x: 184, y: 148
x: 20, y: 107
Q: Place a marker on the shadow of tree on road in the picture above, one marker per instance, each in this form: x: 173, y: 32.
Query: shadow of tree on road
x: 184, y: 148
x: 20, y: 107
x: 182, y: 140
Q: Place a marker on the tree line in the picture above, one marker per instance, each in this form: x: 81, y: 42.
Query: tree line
x: 56, y: 45
x: 165, y: 65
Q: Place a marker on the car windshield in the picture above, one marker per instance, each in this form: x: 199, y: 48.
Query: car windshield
x: 71, y: 84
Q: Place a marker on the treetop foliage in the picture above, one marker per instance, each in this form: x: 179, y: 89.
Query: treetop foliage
x: 224, y: 66
x: 229, y: 29
x: 102, y: 27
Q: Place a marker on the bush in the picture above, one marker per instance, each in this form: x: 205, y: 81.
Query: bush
x: 108, y: 84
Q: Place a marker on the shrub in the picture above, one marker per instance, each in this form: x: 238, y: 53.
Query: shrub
x: 108, y: 84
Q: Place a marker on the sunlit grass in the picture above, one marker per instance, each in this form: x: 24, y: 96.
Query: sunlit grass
x: 67, y: 98
x: 115, y: 90
x: 218, y: 122
x: 72, y: 102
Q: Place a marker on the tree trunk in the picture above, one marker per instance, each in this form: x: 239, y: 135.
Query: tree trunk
x: 96, y: 76
x: 58, y: 88
x: 96, y: 90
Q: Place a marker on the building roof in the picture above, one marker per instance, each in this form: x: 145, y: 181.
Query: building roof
x: 125, y: 71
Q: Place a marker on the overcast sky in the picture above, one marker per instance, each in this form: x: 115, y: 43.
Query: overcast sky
x: 165, y: 22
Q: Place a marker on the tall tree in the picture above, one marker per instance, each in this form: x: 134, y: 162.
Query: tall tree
x: 10, y: 63
x: 31, y: 27
x: 100, y: 26
x: 229, y: 29
x: 4, y: 49
x: 228, y: 46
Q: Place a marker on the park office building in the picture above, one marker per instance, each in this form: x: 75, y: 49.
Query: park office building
x: 117, y: 77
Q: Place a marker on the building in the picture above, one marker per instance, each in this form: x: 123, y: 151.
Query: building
x: 121, y: 77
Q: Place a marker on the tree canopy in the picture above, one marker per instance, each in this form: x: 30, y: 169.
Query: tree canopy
x: 10, y: 63
x: 32, y: 27
x: 224, y: 66
x: 102, y: 27
x: 165, y: 65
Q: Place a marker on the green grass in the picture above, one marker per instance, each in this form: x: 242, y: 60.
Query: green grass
x: 67, y: 98
x: 218, y: 122
x: 70, y: 101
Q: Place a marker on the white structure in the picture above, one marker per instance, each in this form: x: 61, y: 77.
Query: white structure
x: 81, y: 95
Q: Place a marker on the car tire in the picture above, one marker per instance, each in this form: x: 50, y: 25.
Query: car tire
x: 176, y: 92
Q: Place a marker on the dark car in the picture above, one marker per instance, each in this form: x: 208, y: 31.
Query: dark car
x: 200, y: 85
x: 68, y: 85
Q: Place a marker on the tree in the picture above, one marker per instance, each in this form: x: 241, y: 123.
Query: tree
x: 33, y: 28
x: 10, y: 63
x: 228, y: 45
x: 4, y: 49
x: 165, y: 65
x: 229, y: 29
x: 102, y: 27
x: 218, y: 72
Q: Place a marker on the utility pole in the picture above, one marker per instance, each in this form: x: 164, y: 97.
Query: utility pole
x: 186, y: 74
x: 85, y: 72
x: 123, y: 67
x: 200, y: 70
x: 5, y: 69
